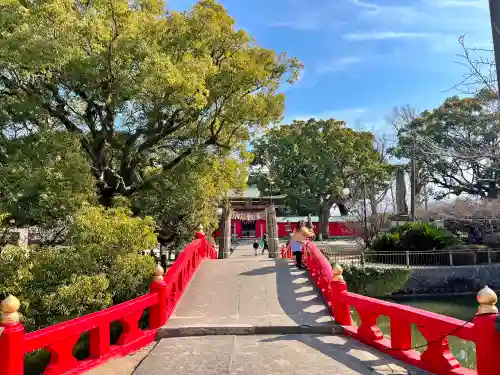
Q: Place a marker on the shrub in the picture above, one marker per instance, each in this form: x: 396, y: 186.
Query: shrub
x: 423, y: 236
x: 129, y: 276
x: 100, y: 266
x: 375, y: 282
x: 387, y: 241
x: 414, y: 237
x: 79, y: 296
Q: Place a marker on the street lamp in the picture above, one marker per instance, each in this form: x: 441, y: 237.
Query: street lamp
x: 289, y: 230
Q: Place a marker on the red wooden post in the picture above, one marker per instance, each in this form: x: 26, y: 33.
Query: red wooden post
x: 487, y: 340
x: 400, y: 333
x: 158, y: 312
x: 100, y: 341
x: 11, y: 338
x: 341, y: 311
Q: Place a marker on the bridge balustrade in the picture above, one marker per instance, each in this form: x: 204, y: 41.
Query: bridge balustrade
x: 435, y: 328
x: 60, y: 339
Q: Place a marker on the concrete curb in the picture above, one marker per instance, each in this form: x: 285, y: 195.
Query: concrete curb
x: 245, y: 330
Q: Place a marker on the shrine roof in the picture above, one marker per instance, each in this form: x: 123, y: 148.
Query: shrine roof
x: 251, y: 192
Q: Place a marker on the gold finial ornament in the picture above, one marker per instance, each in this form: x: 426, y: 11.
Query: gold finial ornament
x: 337, y: 273
x: 158, y: 273
x: 487, y: 299
x: 10, y: 307
x: 200, y: 229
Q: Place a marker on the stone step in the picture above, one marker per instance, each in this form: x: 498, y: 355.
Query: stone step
x: 268, y: 354
x: 245, y: 330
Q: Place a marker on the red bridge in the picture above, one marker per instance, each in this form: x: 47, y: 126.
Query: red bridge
x: 206, y: 316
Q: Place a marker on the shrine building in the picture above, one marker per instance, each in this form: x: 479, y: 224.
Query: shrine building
x: 248, y: 216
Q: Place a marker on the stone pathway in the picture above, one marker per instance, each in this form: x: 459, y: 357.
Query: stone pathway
x: 250, y: 315
x: 249, y: 294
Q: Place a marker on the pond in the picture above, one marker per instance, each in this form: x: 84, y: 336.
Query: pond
x: 463, y: 307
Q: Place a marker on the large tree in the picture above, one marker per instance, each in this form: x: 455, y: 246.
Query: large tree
x: 312, y: 162
x: 191, y: 195
x: 45, y: 179
x: 139, y: 85
x: 456, y: 145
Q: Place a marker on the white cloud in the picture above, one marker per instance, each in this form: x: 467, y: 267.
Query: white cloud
x: 337, y: 65
x: 457, y: 3
x: 364, y: 4
x: 379, y: 35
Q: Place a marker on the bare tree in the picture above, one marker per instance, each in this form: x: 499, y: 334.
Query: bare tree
x: 377, y: 194
x: 480, y: 76
x: 366, y: 230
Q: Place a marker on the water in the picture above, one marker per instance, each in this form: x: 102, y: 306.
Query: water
x: 462, y: 308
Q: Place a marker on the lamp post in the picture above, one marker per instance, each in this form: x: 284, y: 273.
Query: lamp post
x: 365, y: 216
x: 288, y: 230
x: 272, y: 226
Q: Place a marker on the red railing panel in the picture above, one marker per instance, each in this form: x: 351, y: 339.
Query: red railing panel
x: 50, y: 335
x: 60, y: 339
x: 437, y: 358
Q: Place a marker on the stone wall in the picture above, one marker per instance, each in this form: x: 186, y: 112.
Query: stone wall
x: 452, y: 280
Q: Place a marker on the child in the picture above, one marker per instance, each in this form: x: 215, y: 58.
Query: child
x: 256, y: 246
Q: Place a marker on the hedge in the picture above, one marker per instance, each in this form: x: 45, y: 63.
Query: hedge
x: 373, y: 282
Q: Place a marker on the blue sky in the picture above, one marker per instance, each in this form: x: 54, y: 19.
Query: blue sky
x: 363, y: 57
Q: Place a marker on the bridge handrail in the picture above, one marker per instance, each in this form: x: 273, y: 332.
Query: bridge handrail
x: 437, y: 357
x: 60, y: 339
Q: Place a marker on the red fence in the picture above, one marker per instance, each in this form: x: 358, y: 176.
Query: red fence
x: 437, y: 358
x: 59, y: 340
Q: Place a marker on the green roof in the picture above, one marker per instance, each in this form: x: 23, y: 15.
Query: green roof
x: 251, y: 192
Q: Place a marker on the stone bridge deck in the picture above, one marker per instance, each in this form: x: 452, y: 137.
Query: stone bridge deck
x: 252, y: 315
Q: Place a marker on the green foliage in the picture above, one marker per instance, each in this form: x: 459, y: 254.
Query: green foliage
x: 111, y: 232
x: 100, y: 267
x: 189, y: 197
x: 414, y: 237
x: 80, y: 295
x: 141, y: 85
x: 129, y: 276
x: 423, y: 236
x: 154, y: 107
x: 387, y: 241
x: 455, y: 144
x: 45, y: 178
x: 313, y: 161
x: 375, y: 282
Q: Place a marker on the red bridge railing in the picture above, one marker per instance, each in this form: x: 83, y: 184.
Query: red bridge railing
x: 435, y: 328
x: 60, y: 339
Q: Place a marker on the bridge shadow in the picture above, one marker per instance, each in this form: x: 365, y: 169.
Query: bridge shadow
x: 309, y: 309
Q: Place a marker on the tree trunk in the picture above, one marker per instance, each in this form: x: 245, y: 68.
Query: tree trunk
x: 324, y: 216
x: 343, y: 209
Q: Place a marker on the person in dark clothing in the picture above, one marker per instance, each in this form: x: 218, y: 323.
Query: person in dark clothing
x: 266, y: 245
x: 256, y: 246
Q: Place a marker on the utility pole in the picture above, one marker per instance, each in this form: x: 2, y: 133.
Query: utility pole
x: 364, y: 209
x: 495, y: 29
x: 426, y: 199
x: 413, y: 181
